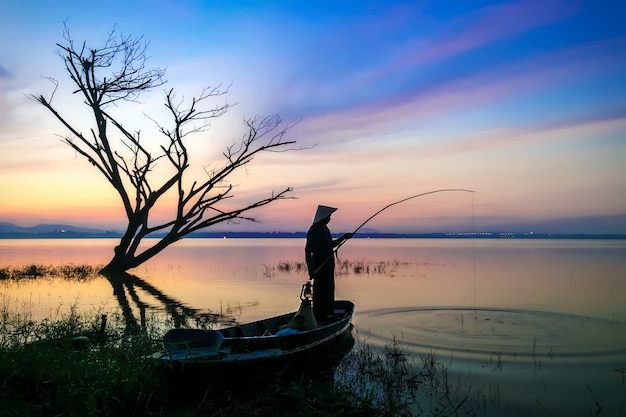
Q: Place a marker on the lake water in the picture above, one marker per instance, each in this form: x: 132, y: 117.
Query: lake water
x: 537, y: 326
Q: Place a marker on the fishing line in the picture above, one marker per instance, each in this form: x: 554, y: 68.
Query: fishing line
x: 474, y: 254
x: 385, y: 208
x: 402, y: 201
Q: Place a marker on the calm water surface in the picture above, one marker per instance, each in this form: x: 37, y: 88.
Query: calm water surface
x: 536, y: 325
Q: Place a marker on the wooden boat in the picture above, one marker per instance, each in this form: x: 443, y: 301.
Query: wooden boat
x: 255, y: 342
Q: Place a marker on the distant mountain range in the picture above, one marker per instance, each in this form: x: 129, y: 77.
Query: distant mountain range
x: 10, y: 230
x: 60, y: 231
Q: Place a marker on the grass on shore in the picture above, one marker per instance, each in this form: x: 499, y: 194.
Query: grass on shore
x: 45, y: 370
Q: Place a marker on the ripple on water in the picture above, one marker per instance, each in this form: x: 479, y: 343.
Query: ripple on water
x: 469, y: 332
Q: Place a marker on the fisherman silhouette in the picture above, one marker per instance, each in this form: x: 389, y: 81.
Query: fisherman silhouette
x: 321, y: 263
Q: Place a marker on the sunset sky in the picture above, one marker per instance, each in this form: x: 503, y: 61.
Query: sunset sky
x: 522, y: 101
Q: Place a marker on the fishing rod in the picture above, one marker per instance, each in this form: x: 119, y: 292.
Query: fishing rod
x: 385, y: 208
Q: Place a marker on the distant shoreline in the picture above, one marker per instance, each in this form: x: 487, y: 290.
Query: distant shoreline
x: 518, y: 231
x: 68, y: 234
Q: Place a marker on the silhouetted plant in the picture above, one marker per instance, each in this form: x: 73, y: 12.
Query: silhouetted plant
x: 145, y: 172
x: 34, y: 271
x: 343, y: 267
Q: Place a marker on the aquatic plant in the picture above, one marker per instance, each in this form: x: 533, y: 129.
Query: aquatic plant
x: 343, y: 267
x: 394, y: 383
x: 34, y: 271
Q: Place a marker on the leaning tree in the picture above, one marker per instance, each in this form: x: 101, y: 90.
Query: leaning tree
x: 147, y: 171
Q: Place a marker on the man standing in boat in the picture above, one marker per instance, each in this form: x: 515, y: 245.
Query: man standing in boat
x: 321, y: 262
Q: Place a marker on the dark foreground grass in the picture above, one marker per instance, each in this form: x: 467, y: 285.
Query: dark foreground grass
x: 46, y: 371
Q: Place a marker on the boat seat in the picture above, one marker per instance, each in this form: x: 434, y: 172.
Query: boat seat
x: 253, y: 329
x: 232, y: 332
x: 273, y: 325
x: 192, y: 338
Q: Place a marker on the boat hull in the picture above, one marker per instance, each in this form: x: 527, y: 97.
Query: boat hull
x: 257, y: 342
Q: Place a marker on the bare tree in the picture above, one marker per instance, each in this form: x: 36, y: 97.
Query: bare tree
x: 117, y: 72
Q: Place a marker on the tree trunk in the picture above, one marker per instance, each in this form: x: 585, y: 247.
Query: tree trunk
x: 125, y: 257
x: 118, y: 265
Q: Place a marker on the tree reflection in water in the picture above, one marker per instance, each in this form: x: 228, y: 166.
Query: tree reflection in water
x: 181, y: 315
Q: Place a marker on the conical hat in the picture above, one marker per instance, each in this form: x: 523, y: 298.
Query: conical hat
x: 322, y: 213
